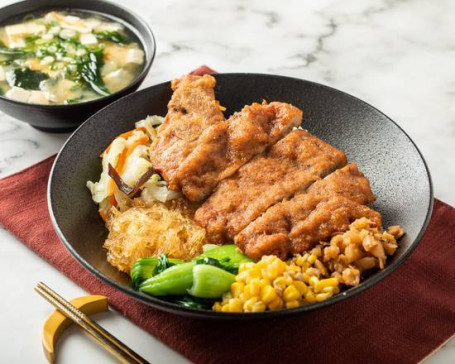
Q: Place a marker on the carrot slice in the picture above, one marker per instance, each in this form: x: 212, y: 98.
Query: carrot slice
x: 119, y: 169
x: 122, y: 159
x: 138, y: 142
x: 103, y: 215
x: 125, y: 135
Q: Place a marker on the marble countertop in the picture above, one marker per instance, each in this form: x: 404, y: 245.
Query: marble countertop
x: 397, y: 55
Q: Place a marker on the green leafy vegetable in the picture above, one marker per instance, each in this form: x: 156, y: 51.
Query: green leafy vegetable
x: 113, y: 36
x: 11, y: 51
x: 89, y: 68
x: 224, y: 252
x: 25, y: 78
x: 224, y: 263
x: 210, y: 281
x: 194, y: 302
x: 175, y: 280
x: 144, y: 268
x: 163, y: 263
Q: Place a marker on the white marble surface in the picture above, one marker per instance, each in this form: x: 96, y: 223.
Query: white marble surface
x: 396, y: 54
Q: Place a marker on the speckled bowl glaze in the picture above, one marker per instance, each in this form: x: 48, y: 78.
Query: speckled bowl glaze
x: 395, y: 167
x: 64, y: 118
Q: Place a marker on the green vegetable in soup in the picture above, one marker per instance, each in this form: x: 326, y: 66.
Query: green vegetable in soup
x: 113, y: 36
x: 11, y: 51
x: 89, y: 68
x: 25, y: 78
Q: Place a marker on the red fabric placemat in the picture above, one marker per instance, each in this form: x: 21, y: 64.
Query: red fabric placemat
x: 402, y: 319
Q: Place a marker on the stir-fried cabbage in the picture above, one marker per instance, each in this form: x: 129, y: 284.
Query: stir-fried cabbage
x: 149, y: 123
x: 135, y: 146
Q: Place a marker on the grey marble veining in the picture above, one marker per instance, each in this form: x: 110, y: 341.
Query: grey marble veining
x: 398, y: 55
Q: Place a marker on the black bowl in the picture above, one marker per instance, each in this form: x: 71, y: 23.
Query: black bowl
x: 64, y: 118
x: 395, y: 167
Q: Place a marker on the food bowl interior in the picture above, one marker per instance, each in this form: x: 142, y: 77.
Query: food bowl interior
x: 386, y: 155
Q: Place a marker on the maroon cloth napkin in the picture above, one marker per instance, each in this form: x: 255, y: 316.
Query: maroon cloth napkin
x: 402, y: 319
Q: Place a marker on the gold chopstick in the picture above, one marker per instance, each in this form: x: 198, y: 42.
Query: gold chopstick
x: 103, y: 337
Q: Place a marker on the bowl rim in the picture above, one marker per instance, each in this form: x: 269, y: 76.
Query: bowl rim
x: 137, y: 80
x: 208, y: 314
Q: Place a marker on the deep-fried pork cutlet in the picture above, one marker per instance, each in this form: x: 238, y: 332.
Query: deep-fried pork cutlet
x: 299, y: 222
x: 289, y: 167
x: 191, y: 110
x: 224, y: 147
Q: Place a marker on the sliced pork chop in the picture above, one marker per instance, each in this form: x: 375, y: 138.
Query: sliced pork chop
x: 289, y: 167
x: 224, y: 147
x: 285, y: 227
x: 191, y: 110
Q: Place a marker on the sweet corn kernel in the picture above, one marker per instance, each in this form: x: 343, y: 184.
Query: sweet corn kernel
x: 301, y: 287
x: 294, y: 269
x: 237, y: 288
x: 291, y: 294
x: 313, y: 272
x: 254, y: 287
x: 276, y: 304
x: 243, y: 267
x: 299, y: 277
x: 246, y: 295
x: 312, y: 258
x: 265, y: 282
x: 270, y: 273
x: 258, y: 307
x: 329, y: 290
x: 248, y: 305
x: 310, y: 297
x: 314, y: 281
x: 235, y: 305
x: 253, y: 273
x: 268, y: 294
x: 242, y: 276
x: 328, y: 282
x: 287, y: 278
x: 261, y: 264
x: 217, y: 307
x: 300, y: 261
x: 280, y: 283
x: 292, y: 304
x: 323, y: 296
